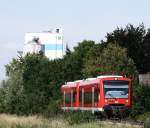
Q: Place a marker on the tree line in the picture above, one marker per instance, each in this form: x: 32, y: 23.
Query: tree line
x: 33, y: 81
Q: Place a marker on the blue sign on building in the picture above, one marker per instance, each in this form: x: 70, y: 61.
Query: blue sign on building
x: 53, y: 46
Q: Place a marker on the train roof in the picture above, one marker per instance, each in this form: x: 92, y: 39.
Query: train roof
x: 86, y: 81
x: 108, y: 76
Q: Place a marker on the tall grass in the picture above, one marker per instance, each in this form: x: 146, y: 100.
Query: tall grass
x: 145, y: 117
x: 13, y: 121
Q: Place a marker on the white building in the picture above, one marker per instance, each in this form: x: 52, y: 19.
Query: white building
x: 50, y: 42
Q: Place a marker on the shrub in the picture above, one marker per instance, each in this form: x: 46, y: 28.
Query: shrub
x: 78, y: 117
x: 53, y: 109
x: 141, y: 102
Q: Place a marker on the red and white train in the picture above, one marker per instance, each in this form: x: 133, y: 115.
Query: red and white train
x: 102, y: 94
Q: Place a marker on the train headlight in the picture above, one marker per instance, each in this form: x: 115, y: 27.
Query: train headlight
x: 116, y: 101
x: 126, y: 102
x: 105, y: 101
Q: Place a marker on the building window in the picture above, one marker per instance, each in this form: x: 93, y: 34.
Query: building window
x: 43, y: 48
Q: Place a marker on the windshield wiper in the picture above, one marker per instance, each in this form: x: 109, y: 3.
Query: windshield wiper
x: 123, y: 93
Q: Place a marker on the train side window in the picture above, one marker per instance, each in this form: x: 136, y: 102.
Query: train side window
x: 80, y: 96
x: 96, y: 94
x: 88, y: 97
x: 68, y: 97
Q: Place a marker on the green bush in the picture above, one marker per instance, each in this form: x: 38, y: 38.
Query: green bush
x: 53, y: 109
x: 146, y: 125
x: 141, y: 99
x: 77, y: 117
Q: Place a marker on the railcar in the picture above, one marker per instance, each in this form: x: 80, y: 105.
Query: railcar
x: 109, y: 94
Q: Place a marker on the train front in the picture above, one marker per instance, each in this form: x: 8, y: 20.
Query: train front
x: 117, y: 96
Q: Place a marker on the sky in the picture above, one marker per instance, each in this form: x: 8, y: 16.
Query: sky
x: 79, y: 19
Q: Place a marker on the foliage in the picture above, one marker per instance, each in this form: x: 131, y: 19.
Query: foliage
x: 53, y: 109
x: 34, y: 81
x: 27, y: 89
x: 109, y: 60
x: 33, y: 84
x: 145, y: 118
x: 136, y: 41
x: 73, y: 61
x: 78, y: 117
x: 12, y: 89
x: 141, y: 99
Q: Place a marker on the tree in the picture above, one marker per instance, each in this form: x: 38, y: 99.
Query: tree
x: 109, y: 60
x: 146, y: 50
x: 28, y: 85
x: 74, y: 61
x: 12, y: 89
x: 136, y: 41
x: 141, y: 96
x: 36, y: 82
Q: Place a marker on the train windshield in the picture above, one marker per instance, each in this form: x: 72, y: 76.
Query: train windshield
x: 116, y: 88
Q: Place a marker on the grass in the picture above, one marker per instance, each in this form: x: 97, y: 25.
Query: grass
x: 13, y: 121
x: 145, y: 117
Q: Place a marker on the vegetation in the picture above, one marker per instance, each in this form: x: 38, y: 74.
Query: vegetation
x: 145, y: 117
x: 13, y: 121
x: 111, y: 60
x: 141, y: 99
x: 136, y: 41
x: 33, y: 84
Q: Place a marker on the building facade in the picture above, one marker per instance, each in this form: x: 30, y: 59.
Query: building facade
x: 50, y: 43
x: 144, y: 79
